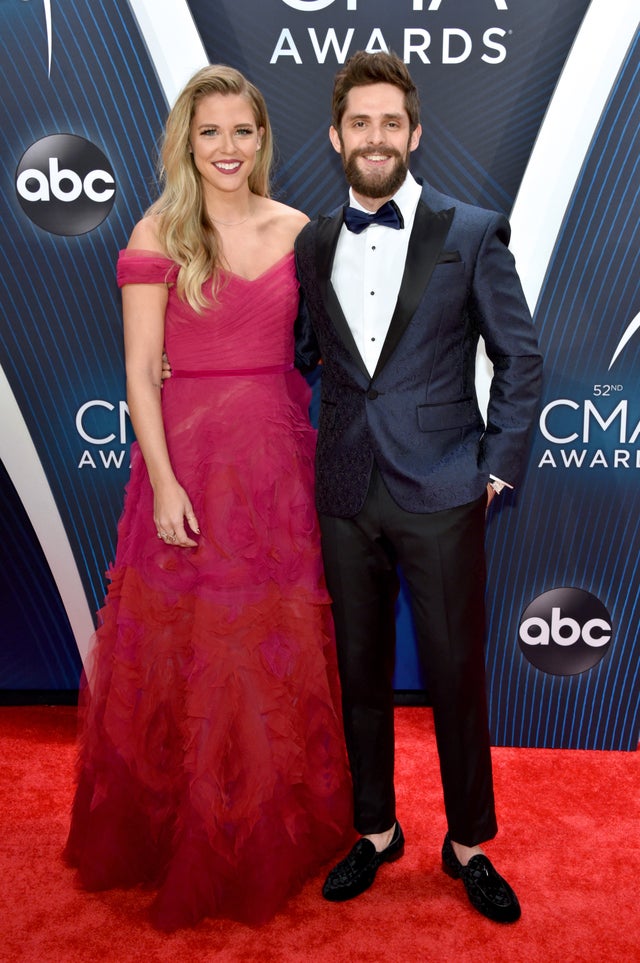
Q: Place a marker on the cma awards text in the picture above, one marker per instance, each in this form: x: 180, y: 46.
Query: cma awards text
x: 587, y: 432
x: 440, y: 43
x: 453, y: 45
x: 102, y: 425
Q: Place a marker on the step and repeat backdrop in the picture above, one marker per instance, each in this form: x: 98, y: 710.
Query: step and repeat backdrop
x: 531, y: 109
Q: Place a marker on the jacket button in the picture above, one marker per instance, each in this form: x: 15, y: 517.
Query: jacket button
x: 372, y: 394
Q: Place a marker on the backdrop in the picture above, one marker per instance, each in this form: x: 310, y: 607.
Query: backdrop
x: 531, y: 109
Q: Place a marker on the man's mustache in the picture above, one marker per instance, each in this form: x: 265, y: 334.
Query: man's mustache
x: 382, y: 151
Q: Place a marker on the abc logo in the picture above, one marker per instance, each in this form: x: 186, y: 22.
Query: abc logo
x: 65, y: 184
x: 565, y: 631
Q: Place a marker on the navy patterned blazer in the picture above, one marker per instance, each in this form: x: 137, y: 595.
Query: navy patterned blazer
x: 417, y: 417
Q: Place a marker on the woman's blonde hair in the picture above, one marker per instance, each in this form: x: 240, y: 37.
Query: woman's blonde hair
x: 185, y: 230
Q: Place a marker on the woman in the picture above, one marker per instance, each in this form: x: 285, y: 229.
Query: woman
x: 212, y: 765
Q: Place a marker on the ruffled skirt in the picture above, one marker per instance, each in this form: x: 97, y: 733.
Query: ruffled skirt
x: 212, y: 766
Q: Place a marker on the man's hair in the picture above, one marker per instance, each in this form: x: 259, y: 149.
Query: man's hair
x: 374, y: 68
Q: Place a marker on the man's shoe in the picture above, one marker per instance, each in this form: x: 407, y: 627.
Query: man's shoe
x: 487, y: 890
x: 356, y: 872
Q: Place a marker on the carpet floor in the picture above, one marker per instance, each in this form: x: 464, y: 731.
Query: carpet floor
x: 568, y: 843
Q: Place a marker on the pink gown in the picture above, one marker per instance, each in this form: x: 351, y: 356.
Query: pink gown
x: 212, y: 766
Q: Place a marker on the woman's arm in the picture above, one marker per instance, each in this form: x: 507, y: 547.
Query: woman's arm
x: 144, y: 307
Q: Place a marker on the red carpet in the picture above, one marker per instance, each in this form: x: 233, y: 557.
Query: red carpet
x: 568, y: 844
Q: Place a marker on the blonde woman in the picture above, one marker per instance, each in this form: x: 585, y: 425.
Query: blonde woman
x: 212, y: 765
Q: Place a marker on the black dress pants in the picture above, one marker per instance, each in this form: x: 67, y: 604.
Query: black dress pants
x: 441, y: 556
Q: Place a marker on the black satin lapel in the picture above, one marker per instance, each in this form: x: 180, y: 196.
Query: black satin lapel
x: 429, y: 233
x: 326, y: 243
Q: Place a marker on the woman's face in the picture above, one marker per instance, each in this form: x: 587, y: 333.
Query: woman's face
x: 224, y: 139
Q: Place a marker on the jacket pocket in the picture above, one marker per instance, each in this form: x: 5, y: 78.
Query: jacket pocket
x: 455, y: 414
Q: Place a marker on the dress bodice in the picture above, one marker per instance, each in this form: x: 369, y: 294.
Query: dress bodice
x: 250, y: 325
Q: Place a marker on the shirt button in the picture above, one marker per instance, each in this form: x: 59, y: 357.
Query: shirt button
x: 372, y: 292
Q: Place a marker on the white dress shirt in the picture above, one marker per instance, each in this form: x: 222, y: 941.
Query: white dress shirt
x: 367, y: 273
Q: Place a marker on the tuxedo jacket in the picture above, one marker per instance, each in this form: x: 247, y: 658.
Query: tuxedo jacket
x: 417, y: 416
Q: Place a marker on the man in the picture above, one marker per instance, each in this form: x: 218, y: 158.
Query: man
x: 405, y: 465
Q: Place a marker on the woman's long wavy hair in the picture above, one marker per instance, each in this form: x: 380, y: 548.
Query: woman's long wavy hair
x: 185, y: 230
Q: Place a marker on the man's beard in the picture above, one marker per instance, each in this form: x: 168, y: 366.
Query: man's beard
x: 371, y: 183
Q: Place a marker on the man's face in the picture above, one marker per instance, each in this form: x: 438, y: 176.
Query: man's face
x: 374, y: 141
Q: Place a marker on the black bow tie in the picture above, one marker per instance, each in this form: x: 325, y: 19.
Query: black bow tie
x: 388, y: 216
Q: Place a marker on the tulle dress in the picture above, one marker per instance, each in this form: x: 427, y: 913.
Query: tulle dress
x: 212, y: 766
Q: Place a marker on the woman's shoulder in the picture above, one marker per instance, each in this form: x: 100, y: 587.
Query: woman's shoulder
x: 145, y: 236
x: 283, y: 218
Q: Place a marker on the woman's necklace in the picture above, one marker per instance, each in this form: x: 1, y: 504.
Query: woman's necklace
x: 232, y: 223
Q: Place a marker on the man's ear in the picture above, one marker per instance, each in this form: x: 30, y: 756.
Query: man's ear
x: 334, y: 137
x: 415, y: 137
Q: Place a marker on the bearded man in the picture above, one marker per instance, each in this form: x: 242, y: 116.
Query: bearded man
x: 400, y: 285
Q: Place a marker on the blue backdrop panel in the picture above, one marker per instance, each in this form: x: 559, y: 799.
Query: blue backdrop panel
x: 37, y: 650
x: 580, y: 527
x: 60, y: 326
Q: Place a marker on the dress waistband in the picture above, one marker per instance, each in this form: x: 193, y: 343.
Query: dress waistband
x: 229, y: 372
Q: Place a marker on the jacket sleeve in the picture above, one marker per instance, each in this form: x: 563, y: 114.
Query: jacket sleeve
x: 307, y: 351
x: 503, y: 319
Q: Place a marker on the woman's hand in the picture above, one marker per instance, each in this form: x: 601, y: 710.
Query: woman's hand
x: 171, y: 506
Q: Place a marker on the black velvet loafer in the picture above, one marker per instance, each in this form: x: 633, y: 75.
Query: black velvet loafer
x: 488, y: 892
x: 357, y: 871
